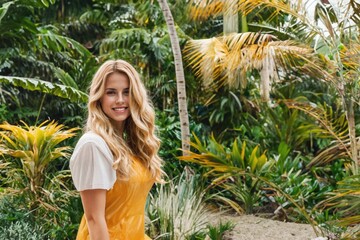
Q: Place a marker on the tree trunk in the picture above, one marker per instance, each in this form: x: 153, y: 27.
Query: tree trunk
x: 352, y: 133
x: 231, y: 20
x: 180, y: 78
x: 265, y: 80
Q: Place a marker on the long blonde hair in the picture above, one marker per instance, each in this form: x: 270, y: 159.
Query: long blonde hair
x: 138, y: 139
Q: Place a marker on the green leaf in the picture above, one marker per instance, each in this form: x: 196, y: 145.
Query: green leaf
x: 57, y: 42
x: 4, y: 9
x: 125, y: 38
x: 236, y: 156
x: 59, y: 90
x: 65, y: 78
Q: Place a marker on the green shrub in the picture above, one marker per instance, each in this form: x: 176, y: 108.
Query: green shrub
x: 21, y: 230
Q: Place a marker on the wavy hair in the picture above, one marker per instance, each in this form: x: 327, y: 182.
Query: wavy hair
x: 138, y: 138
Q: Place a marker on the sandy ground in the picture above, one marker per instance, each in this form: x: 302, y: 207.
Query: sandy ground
x: 249, y: 227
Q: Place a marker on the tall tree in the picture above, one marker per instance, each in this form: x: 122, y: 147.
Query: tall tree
x: 180, y: 78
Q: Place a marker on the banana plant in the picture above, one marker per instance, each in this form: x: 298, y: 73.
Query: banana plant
x: 33, y: 84
x: 29, y: 152
x: 40, y: 57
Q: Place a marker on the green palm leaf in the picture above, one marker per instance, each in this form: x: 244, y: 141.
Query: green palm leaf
x: 346, y: 201
x: 334, y: 125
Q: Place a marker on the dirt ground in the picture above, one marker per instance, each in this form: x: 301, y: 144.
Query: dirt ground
x: 250, y: 227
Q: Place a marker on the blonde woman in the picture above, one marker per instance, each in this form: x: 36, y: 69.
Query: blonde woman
x: 115, y: 162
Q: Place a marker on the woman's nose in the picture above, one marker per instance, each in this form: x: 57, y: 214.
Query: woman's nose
x: 120, y: 99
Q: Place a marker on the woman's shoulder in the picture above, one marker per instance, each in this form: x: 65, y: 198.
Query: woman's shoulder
x: 93, y: 139
x: 91, y: 163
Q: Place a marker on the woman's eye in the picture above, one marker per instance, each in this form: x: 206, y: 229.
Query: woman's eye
x: 110, y: 93
x: 126, y: 92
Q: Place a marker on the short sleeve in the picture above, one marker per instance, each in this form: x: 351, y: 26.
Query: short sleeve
x: 91, y: 164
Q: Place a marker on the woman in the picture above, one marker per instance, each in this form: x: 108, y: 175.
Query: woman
x: 116, y: 162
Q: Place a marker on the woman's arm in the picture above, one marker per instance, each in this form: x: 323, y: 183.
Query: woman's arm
x: 93, y: 202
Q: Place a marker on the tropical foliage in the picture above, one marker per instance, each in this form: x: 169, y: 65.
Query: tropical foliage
x: 178, y: 211
x: 33, y: 171
x: 29, y: 152
x: 272, y: 99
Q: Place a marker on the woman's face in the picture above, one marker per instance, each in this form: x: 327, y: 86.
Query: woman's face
x: 115, y: 101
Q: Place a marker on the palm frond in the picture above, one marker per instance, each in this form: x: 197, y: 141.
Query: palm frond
x: 295, y: 10
x: 334, y: 125
x: 228, y: 56
x: 204, y: 9
x: 206, y: 57
x: 334, y: 152
x: 356, y: 11
x: 346, y: 200
x: 350, y: 58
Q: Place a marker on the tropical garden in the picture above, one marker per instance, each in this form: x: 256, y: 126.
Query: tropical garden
x: 257, y: 108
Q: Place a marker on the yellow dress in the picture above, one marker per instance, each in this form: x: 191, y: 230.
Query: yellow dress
x: 125, y: 206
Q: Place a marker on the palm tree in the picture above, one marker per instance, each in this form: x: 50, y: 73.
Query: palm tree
x: 334, y: 34
x: 138, y: 34
x: 234, y: 56
x: 180, y: 79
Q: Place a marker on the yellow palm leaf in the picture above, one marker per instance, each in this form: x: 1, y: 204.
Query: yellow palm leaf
x: 203, y: 9
x: 226, y: 59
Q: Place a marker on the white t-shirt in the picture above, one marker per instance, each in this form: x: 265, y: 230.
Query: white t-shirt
x: 91, y: 163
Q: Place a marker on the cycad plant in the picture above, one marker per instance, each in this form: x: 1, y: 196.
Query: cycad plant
x: 28, y: 152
